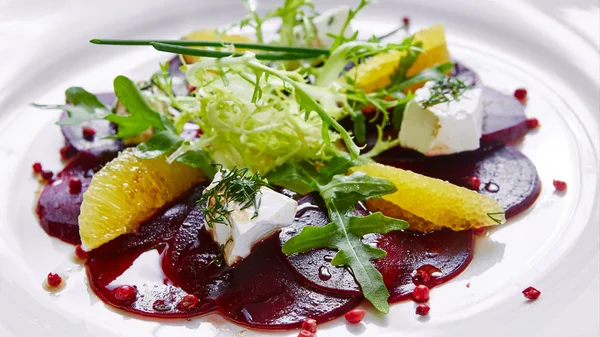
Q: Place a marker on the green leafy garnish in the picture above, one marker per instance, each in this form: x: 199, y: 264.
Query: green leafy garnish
x: 258, y: 117
x: 341, y: 38
x: 234, y: 186
x: 161, y: 143
x: 84, y: 106
x: 345, y: 231
x: 141, y: 115
x: 288, y: 13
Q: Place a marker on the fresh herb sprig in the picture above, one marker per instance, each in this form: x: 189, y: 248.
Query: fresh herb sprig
x: 446, y: 89
x: 235, y: 186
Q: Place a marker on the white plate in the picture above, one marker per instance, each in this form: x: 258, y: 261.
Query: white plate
x: 553, y: 246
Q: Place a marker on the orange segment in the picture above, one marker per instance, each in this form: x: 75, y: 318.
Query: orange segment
x: 211, y: 35
x: 375, y: 73
x: 431, y: 204
x: 128, y: 191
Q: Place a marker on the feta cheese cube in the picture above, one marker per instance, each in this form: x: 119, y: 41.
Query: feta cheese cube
x: 444, y: 128
x: 244, y: 230
x: 329, y: 22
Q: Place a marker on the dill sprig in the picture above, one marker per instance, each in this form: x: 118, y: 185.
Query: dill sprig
x: 237, y: 186
x: 446, y: 89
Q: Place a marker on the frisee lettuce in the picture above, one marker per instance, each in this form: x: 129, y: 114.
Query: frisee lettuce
x: 259, y: 117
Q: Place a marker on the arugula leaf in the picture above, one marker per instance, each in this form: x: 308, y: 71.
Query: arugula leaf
x: 161, y: 143
x: 305, y: 177
x: 141, y: 115
x: 346, y: 191
x: 84, y: 106
x: 345, y: 231
x: 199, y: 159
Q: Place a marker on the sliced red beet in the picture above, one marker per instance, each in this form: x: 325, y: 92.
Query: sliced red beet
x: 262, y: 292
x: 468, y: 76
x: 191, y: 260
x: 57, y: 207
x: 98, y: 145
x: 315, y: 266
x: 504, y: 119
x: 110, y: 261
x: 442, y: 255
x: 505, y: 174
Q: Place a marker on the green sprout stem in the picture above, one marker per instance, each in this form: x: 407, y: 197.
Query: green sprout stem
x: 217, y: 44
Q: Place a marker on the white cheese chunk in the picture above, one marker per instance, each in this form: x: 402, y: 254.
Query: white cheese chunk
x: 329, y: 22
x: 243, y: 231
x: 444, y: 128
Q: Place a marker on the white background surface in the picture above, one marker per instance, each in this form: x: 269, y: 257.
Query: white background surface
x: 549, y: 47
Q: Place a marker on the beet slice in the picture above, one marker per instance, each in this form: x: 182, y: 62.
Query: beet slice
x: 192, y: 256
x: 504, y: 119
x: 505, y: 173
x: 262, y: 292
x: 441, y: 255
x: 468, y: 76
x: 315, y: 266
x: 100, y: 146
x: 110, y: 261
x: 57, y: 208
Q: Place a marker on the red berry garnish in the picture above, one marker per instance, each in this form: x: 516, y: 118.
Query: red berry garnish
x: 406, y: 20
x: 47, y: 175
x: 68, y: 152
x: 305, y: 333
x: 37, y: 168
x: 310, y: 325
x: 531, y: 293
x: 189, y: 87
x: 421, y: 293
x: 559, y: 185
x: 80, y: 253
x: 74, y: 185
x: 474, y: 183
x: 421, y: 277
x: 188, y: 302
x: 355, y: 316
x: 533, y: 123
x: 422, y: 310
x: 125, y: 295
x: 88, y: 133
x: 479, y: 231
x: 54, y: 280
x: 521, y: 95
